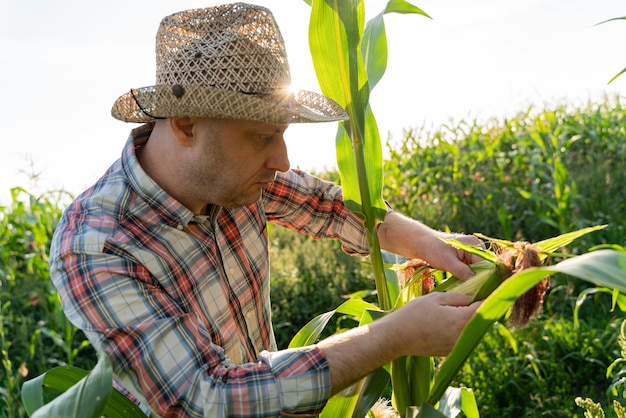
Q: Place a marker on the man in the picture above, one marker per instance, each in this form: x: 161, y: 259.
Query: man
x: 163, y: 263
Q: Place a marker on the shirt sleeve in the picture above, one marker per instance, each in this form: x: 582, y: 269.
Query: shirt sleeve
x: 315, y: 207
x: 168, y: 355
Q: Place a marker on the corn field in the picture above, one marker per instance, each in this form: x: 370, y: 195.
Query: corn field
x: 540, y: 174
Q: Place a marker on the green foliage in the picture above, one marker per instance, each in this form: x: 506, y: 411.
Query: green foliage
x: 71, y: 392
x: 534, y: 176
x: 309, y: 277
x: 548, y: 366
x: 350, y: 58
x: 34, y: 333
x: 535, y: 371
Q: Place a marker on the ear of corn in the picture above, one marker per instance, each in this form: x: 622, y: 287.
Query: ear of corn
x: 487, y: 278
x: 497, y: 275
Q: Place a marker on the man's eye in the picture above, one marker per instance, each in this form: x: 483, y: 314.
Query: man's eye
x: 265, y: 137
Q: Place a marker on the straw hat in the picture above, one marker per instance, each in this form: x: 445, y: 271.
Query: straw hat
x: 227, y: 61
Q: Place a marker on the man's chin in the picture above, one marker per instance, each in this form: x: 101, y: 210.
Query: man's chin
x: 242, y: 201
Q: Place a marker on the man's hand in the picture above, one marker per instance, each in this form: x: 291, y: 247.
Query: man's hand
x: 428, y: 325
x: 410, y: 238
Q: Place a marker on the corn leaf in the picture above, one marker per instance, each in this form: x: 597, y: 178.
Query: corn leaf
x: 73, y: 392
x: 472, y: 249
x: 391, y: 261
x: 374, y: 45
x: 457, y: 400
x: 374, y: 49
x: 357, y: 399
x: 428, y: 411
x: 617, y: 75
x: 344, y: 403
x: 310, y: 333
x: 335, y: 34
x: 552, y: 244
x: 468, y: 403
x: 548, y: 245
x: 605, y: 268
x: 610, y: 20
x: 373, y: 388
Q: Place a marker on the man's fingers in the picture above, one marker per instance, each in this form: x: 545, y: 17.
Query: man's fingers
x: 455, y: 299
x: 462, y: 271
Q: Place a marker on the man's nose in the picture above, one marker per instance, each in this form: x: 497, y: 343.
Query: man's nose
x: 278, y: 159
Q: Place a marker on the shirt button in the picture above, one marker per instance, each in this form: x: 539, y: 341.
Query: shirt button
x: 180, y: 227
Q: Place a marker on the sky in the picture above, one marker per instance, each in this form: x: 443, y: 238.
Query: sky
x: 64, y: 63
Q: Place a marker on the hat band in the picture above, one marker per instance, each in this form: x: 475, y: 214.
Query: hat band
x: 132, y: 93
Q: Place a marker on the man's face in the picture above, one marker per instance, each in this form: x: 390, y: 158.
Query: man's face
x: 235, y: 159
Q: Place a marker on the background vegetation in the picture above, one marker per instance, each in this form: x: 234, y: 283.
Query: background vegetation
x: 541, y: 173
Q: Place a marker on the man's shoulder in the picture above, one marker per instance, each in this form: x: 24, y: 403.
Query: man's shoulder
x: 98, y: 210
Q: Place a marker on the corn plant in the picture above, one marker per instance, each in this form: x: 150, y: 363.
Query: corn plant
x: 350, y: 59
x: 344, y: 58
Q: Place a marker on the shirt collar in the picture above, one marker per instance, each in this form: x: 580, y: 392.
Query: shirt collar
x: 169, y: 208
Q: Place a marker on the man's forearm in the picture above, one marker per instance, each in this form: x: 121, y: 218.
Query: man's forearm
x: 355, y: 353
x: 405, y: 236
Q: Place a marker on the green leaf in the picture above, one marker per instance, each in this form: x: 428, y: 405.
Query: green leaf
x: 374, y: 49
x: 427, y: 411
x: 373, y: 388
x: 617, y: 75
x: 508, y: 336
x: 610, y: 20
x: 73, y: 392
x: 468, y: 403
x: 88, y: 397
x: 391, y: 260
x: 552, y: 244
x: 310, y: 333
x: 335, y: 35
x: 343, y: 403
x: 403, y: 7
x: 47, y: 386
x: 472, y: 249
x: 603, y: 268
x: 421, y: 374
x: 457, y: 400
x: 374, y: 43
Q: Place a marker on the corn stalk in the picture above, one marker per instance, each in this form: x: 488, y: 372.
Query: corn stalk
x: 350, y: 60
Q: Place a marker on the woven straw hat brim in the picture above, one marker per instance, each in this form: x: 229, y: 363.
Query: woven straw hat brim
x: 147, y: 103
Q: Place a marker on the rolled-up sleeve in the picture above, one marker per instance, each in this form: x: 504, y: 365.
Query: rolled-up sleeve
x: 315, y: 207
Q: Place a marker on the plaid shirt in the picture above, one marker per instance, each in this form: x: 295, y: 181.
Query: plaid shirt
x: 181, y: 302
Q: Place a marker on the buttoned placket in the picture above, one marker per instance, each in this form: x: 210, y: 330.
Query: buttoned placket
x: 229, y: 274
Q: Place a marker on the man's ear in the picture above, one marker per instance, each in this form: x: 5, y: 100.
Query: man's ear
x: 182, y: 129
